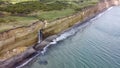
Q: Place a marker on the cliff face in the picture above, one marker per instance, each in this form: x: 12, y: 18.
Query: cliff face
x: 18, y: 37
x: 27, y: 36
x: 62, y: 24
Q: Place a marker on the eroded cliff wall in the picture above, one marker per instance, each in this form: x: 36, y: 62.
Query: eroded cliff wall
x: 27, y: 36
x: 21, y: 36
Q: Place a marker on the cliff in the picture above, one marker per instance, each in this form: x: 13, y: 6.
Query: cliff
x: 18, y: 37
x: 23, y: 37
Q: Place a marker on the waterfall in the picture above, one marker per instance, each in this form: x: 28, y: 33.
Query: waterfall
x: 40, y: 36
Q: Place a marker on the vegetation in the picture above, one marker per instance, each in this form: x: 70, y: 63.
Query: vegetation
x: 9, y: 22
x: 52, y: 15
x: 17, y: 1
x: 85, y: 5
x: 31, y: 6
x: 24, y: 12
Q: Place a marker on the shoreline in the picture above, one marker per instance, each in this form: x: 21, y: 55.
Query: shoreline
x: 79, y: 24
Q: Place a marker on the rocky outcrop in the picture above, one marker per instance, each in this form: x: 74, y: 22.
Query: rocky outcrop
x: 11, y: 63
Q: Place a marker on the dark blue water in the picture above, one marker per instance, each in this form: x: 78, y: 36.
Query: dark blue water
x: 97, y: 46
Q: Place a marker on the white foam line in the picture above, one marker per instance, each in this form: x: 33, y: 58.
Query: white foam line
x: 27, y: 62
x: 99, y: 15
x: 61, y: 37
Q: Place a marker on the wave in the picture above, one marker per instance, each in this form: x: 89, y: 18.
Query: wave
x: 101, y: 14
x: 60, y: 38
x: 65, y: 34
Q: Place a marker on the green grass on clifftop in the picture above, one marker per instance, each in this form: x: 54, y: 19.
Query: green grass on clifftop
x: 10, y: 22
x: 16, y: 13
x: 53, y: 15
x: 17, y: 1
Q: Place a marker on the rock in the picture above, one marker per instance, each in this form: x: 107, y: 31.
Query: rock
x: 49, y: 39
x: 44, y: 62
x: 45, y: 42
x: 17, y: 59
